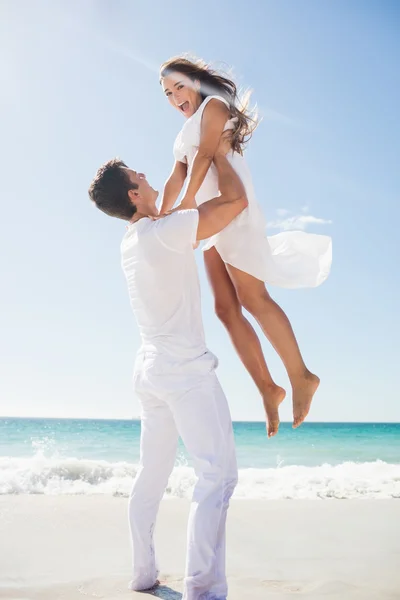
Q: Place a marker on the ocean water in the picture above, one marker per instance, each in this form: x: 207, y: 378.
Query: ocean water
x: 317, y: 461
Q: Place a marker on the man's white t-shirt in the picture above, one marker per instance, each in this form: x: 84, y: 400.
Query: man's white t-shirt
x: 160, y: 268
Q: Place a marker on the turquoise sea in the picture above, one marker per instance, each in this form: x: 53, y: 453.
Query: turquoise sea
x: 319, y: 460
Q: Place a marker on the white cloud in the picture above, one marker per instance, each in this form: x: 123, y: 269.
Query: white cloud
x: 297, y: 222
x: 305, y: 209
x: 282, y: 212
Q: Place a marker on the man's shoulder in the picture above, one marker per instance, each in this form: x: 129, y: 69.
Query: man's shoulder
x: 136, y: 232
x: 177, y: 219
x: 172, y: 231
x: 183, y: 215
x: 138, y: 228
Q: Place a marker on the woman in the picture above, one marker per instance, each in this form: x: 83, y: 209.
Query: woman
x: 241, y: 259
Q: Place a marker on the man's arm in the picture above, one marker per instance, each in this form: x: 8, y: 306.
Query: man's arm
x: 217, y: 213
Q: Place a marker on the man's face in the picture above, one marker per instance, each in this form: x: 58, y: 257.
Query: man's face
x: 144, y: 194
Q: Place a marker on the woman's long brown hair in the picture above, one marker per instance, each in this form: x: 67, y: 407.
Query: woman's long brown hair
x: 213, y: 83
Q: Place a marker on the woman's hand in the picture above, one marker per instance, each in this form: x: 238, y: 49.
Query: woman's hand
x: 187, y: 202
x: 168, y: 212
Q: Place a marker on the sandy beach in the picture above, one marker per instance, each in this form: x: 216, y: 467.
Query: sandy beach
x: 75, y: 547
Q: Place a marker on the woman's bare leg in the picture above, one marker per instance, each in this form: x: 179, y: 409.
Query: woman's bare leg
x: 254, y: 297
x: 243, y: 337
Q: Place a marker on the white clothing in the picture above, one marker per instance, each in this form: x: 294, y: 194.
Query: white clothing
x: 184, y: 399
x: 180, y: 395
x: 291, y: 259
x: 163, y: 283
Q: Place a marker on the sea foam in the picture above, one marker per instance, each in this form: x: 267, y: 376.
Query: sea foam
x: 42, y: 475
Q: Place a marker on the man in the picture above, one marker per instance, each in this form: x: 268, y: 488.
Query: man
x: 174, y: 375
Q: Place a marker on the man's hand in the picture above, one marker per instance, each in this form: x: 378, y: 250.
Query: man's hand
x: 225, y: 143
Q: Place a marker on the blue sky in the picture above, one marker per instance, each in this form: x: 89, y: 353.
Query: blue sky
x: 80, y: 85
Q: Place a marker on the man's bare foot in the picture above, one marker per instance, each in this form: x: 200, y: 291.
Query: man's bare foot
x: 152, y: 588
x: 272, y: 397
x: 304, y: 389
x: 137, y: 586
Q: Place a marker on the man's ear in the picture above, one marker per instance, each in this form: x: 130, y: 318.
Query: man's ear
x: 134, y: 196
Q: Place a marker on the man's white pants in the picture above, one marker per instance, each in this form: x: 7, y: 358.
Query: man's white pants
x: 184, y: 399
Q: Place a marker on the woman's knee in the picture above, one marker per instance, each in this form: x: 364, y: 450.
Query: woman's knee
x: 227, y: 313
x: 254, y: 301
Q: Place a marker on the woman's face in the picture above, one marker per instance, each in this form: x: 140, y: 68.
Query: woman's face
x: 182, y: 93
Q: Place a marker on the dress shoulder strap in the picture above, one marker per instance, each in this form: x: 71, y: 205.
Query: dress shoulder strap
x: 207, y: 100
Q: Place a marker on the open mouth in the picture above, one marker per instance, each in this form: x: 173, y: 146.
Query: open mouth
x: 184, y: 106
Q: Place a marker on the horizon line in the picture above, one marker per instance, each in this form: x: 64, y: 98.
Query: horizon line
x: 138, y: 419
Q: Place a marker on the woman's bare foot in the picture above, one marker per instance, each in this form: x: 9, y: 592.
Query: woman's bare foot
x: 272, y: 397
x: 304, y: 389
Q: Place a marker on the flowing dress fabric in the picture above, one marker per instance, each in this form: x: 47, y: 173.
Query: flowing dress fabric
x: 291, y: 259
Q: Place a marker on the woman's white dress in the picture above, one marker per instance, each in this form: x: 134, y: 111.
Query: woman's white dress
x: 291, y: 259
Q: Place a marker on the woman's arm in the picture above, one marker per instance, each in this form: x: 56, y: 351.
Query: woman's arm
x: 214, y: 119
x: 217, y: 213
x: 173, y: 186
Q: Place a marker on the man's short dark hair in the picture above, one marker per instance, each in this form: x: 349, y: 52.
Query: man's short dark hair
x: 109, y: 190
